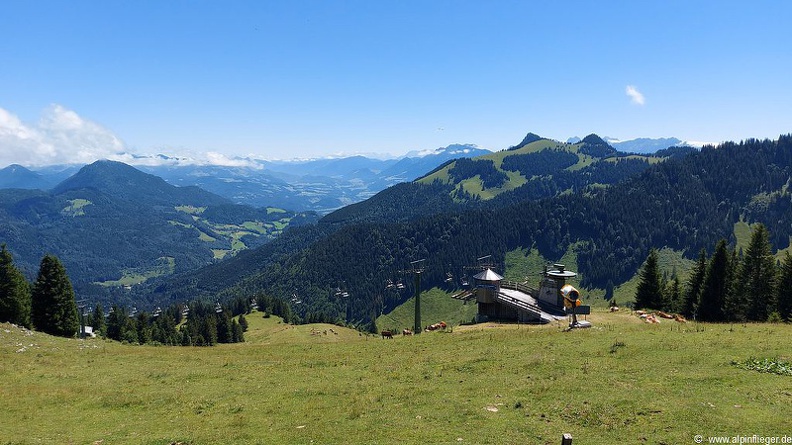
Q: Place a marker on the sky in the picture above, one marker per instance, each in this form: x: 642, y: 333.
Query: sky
x: 85, y: 80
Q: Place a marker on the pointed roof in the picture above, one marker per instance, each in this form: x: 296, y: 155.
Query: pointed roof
x: 488, y: 275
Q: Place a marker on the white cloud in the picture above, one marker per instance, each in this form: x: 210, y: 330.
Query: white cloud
x: 214, y: 158
x: 635, y: 96
x: 60, y: 136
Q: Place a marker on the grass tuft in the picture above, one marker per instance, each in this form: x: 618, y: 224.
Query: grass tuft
x: 770, y: 366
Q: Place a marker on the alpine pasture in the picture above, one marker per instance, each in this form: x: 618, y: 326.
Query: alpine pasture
x: 622, y: 381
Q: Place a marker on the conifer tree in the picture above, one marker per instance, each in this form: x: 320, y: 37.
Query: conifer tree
x: 98, y: 319
x: 14, y: 291
x: 784, y: 294
x: 649, y: 294
x: 609, y: 290
x: 673, y: 296
x: 715, y: 289
x: 143, y: 328
x: 758, y: 276
x: 54, y: 309
x: 238, y: 332
x: 116, y: 322
x: 692, y: 292
x: 225, y: 333
x: 243, y: 323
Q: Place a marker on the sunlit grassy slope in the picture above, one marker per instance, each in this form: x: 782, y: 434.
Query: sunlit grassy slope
x: 475, y: 186
x: 622, y: 381
x: 436, y: 306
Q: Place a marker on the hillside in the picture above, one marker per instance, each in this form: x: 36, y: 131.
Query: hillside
x: 19, y: 177
x: 679, y: 203
x: 625, y: 382
x: 127, y: 183
x: 114, y: 226
x: 539, y: 168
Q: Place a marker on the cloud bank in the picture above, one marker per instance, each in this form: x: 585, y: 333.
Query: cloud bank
x: 635, y: 96
x: 60, y: 136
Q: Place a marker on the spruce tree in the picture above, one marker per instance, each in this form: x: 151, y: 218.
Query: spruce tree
x: 243, y: 323
x: 609, y: 290
x: 238, y: 332
x: 14, y: 291
x: 758, y: 276
x: 649, y: 294
x: 116, y: 323
x: 143, y: 328
x: 715, y: 289
x: 54, y: 309
x: 98, y: 320
x: 784, y: 294
x: 225, y: 333
x: 693, y: 290
x: 673, y: 296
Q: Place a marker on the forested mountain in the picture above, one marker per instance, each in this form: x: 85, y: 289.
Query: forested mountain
x: 126, y: 183
x: 450, y: 217
x: 686, y: 203
x: 19, y: 177
x: 113, y: 226
x: 538, y: 168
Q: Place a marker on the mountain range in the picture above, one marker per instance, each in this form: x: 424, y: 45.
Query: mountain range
x: 585, y: 203
x: 584, y: 200
x: 645, y: 145
x: 114, y: 226
x: 319, y: 185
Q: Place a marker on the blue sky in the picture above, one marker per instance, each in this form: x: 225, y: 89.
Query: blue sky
x: 286, y: 79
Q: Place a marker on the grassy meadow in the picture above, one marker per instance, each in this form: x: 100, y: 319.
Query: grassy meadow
x: 622, y: 381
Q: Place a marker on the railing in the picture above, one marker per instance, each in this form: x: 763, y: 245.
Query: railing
x: 508, y: 284
x: 524, y: 305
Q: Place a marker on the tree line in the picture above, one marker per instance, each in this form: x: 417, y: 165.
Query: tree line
x: 49, y: 305
x: 731, y: 285
x: 198, y: 323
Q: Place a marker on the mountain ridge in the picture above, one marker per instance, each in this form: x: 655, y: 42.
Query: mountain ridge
x: 126, y: 182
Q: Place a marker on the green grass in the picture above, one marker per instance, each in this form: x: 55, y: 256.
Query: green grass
x: 436, y: 306
x: 622, y: 381
x: 474, y: 185
x: 76, y: 207
x: 190, y: 210
x: 130, y: 277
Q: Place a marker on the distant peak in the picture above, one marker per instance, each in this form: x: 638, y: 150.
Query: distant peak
x: 14, y: 168
x: 594, y: 145
x: 453, y: 149
x: 593, y: 139
x: 529, y: 138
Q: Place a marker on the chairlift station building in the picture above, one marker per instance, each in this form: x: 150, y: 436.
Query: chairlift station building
x: 505, y: 300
